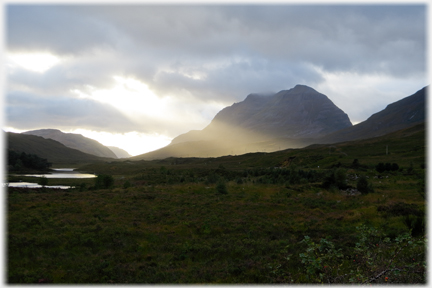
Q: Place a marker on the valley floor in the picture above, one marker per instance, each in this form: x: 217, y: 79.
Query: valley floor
x: 193, y: 233
x: 285, y: 217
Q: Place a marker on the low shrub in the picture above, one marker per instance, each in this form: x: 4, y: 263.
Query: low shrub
x: 221, y: 188
x: 364, y: 186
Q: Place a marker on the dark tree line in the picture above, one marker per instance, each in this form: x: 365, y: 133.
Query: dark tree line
x: 381, y: 167
x: 20, y: 161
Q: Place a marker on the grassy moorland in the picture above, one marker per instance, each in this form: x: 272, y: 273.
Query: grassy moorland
x: 293, y: 216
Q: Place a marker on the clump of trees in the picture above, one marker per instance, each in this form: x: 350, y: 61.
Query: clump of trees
x: 381, y: 167
x: 104, y: 181
x: 357, y: 165
x: 23, y: 161
x: 336, y: 178
x: 364, y: 186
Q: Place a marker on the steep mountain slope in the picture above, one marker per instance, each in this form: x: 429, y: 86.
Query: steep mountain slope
x: 120, y: 153
x: 53, y: 151
x: 399, y: 115
x: 300, y: 112
x: 288, y: 119
x: 75, y: 141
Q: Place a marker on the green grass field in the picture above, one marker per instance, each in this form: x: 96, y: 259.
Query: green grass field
x: 233, y: 219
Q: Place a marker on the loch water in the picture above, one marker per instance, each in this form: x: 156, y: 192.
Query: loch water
x: 63, y: 173
x: 57, y: 173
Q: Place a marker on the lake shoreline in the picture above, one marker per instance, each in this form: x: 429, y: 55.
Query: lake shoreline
x: 33, y: 190
x: 29, y: 181
x: 58, y: 173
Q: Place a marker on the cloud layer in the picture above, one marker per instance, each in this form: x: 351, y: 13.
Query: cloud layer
x: 198, y: 59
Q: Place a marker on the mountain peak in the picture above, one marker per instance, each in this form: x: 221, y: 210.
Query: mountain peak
x: 298, y: 113
x: 302, y: 89
x: 258, y: 96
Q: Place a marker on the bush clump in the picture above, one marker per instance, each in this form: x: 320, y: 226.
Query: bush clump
x: 336, y: 178
x: 104, y: 181
x: 221, y: 188
x: 381, y: 167
x: 375, y: 258
x: 364, y: 186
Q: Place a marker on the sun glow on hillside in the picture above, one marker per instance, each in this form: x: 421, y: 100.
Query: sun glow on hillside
x: 37, y: 62
x: 133, y: 142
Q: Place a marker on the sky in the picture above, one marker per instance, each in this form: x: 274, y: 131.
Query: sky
x: 136, y: 76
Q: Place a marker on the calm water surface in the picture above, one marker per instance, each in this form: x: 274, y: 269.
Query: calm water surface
x: 34, y: 185
x: 58, y: 173
x: 63, y: 173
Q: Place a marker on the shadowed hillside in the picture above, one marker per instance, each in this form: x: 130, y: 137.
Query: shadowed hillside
x: 120, y: 153
x: 49, y: 149
x: 402, y: 114
x: 75, y: 141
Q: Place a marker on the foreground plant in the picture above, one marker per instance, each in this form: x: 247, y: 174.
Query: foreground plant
x: 374, y: 259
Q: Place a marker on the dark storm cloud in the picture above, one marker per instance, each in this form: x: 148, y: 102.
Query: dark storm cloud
x: 228, y: 83
x: 334, y: 36
x: 210, y: 53
x: 338, y: 38
x: 361, y: 39
x: 53, y: 28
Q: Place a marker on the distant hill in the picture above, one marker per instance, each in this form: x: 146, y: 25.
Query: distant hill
x: 288, y: 119
x: 120, y: 153
x: 401, y: 114
x: 75, y: 141
x: 54, y: 151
